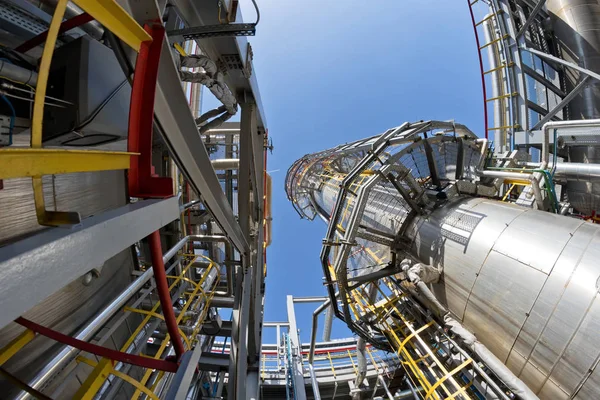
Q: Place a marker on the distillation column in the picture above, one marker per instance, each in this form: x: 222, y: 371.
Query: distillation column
x: 525, y: 281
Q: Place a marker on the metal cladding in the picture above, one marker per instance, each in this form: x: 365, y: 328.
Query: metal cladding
x: 576, y: 24
x: 524, y: 281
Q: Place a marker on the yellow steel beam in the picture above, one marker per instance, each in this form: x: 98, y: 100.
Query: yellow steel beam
x: 94, y: 381
x: 126, y: 378
x: 97, y: 377
x: 518, y: 182
x: 115, y: 19
x: 44, y: 72
x: 161, y: 317
x: 446, y: 376
x: 15, y: 345
x: 187, y: 305
x: 26, y: 162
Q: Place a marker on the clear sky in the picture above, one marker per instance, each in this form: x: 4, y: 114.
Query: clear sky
x: 334, y: 71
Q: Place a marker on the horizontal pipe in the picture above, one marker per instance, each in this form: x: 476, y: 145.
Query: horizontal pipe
x: 582, y: 172
x: 226, y: 163
x: 535, y: 184
x: 275, y: 324
x: 18, y: 74
x: 586, y: 123
x: 314, y: 299
x: 188, y: 205
x: 207, y: 238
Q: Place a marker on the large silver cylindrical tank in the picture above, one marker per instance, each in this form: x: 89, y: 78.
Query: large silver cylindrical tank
x: 524, y: 281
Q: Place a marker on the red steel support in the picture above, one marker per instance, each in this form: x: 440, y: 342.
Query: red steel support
x: 142, y: 183
x: 66, y: 26
x: 145, y: 362
x: 162, y: 288
x: 485, y: 112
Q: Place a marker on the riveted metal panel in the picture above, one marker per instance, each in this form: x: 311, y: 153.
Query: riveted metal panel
x: 576, y: 296
x: 546, y: 304
x: 581, y: 353
x: 545, y: 231
x: 502, y: 296
x: 582, y: 349
x: 591, y: 387
x: 468, y: 233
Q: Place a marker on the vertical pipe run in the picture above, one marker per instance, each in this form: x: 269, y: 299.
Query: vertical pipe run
x: 162, y: 288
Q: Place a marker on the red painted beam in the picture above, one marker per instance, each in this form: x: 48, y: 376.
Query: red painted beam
x: 111, y: 354
x: 485, y: 113
x: 162, y: 288
x: 142, y: 182
x: 66, y: 26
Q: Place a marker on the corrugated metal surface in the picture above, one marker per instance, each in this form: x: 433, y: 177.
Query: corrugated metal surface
x: 68, y: 309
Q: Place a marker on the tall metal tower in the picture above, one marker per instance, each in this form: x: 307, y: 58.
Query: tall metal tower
x: 479, y: 290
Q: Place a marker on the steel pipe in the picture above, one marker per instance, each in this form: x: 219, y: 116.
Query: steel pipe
x: 18, y: 74
x: 315, y: 384
x: 361, y: 357
x: 228, y: 250
x: 385, y: 387
x: 535, y: 183
x: 328, y: 324
x: 226, y: 164
x: 582, y: 172
x: 587, y: 123
x: 313, y: 334
x: 162, y: 288
x: 314, y: 299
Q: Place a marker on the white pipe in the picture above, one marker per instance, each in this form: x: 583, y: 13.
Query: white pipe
x: 582, y: 172
x: 361, y: 357
x: 483, y: 153
x: 226, y: 164
x: 586, y: 123
x: 535, y: 184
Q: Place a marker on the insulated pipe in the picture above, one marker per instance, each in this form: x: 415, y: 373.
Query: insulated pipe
x: 188, y: 205
x: 535, y: 184
x: 582, y: 172
x: 18, y: 74
x: 483, y: 151
x: 313, y: 334
x: 228, y: 266
x: 59, y: 361
x: 313, y: 380
x: 361, y: 357
x: 385, y: 387
x: 328, y: 324
x: 162, y: 288
x: 587, y: 123
x: 226, y: 163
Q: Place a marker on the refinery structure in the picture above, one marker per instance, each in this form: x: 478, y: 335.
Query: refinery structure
x: 135, y: 228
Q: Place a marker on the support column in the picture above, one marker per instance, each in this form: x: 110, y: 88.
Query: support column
x: 297, y: 361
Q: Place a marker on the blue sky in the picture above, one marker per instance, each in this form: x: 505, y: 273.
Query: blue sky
x: 337, y: 71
